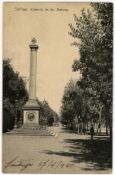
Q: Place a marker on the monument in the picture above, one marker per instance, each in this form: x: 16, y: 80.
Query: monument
x: 31, y: 110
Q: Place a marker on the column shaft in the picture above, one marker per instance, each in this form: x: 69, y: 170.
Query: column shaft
x: 33, y: 69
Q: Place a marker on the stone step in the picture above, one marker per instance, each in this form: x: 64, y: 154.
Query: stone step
x: 29, y: 132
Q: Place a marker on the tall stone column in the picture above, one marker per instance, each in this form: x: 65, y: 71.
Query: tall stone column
x: 31, y: 110
x: 33, y: 69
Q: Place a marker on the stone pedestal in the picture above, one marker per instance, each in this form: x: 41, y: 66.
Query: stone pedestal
x: 31, y: 110
x: 31, y: 114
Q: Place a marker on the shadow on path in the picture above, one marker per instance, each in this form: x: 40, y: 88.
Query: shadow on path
x: 97, y: 154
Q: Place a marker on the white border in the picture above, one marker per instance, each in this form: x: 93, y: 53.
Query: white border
x: 1, y: 37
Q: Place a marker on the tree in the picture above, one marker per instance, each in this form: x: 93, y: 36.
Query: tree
x: 48, y: 113
x: 14, y: 91
x: 93, y: 32
x: 72, y: 103
x: 13, y: 84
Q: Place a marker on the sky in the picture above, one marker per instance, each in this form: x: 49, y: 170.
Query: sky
x: 48, y: 23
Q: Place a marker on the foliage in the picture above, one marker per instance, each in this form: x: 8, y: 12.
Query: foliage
x: 94, y: 29
x: 13, y: 84
x: 14, y: 93
x: 49, y: 113
x: 72, y: 102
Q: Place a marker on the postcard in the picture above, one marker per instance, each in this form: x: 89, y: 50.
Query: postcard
x: 57, y: 87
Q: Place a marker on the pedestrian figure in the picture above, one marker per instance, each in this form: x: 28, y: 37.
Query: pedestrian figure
x: 98, y: 128
x: 92, y: 132
x: 84, y: 130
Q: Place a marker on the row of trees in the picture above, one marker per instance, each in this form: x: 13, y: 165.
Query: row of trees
x: 91, y: 96
x: 48, y: 115
x: 15, y: 96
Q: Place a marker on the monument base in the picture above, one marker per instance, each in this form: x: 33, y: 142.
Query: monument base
x: 29, y: 132
x: 31, y: 114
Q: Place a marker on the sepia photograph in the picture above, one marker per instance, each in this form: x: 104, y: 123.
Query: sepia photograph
x: 57, y: 100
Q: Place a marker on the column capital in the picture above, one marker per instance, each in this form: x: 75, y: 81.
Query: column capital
x: 33, y: 45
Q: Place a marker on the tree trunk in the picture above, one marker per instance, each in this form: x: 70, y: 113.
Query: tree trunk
x: 110, y: 134
x: 109, y: 122
x: 100, y: 114
x: 106, y: 129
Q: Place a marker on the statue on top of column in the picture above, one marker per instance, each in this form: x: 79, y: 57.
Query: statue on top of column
x: 34, y: 41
